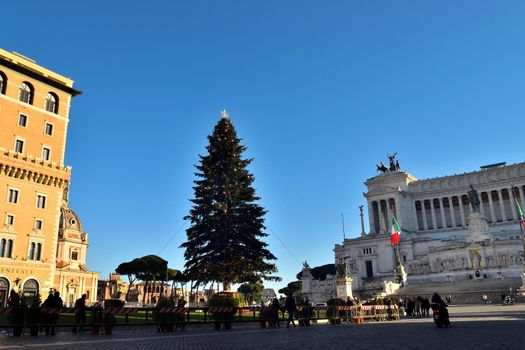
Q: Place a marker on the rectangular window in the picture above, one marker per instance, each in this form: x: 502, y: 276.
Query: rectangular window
x: 12, y: 195
x: 19, y: 146
x: 74, y: 255
x: 38, y: 224
x: 49, y: 129
x: 46, y: 153
x: 369, y: 269
x: 40, y: 201
x: 10, y: 220
x: 22, y: 120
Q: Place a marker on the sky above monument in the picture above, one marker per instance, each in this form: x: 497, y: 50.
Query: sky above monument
x: 319, y: 92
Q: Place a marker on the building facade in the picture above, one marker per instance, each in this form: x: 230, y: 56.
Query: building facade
x: 444, y: 238
x: 42, y: 245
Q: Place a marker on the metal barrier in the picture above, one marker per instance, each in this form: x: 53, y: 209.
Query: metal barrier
x: 38, y: 319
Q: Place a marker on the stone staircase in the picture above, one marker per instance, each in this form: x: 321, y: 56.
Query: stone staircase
x: 465, y: 292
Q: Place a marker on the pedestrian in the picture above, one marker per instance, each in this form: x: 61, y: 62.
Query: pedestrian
x: 291, y: 307
x: 181, y: 320
x: 418, y: 307
x: 485, y: 298
x: 47, y: 306
x: 16, y: 318
x: 57, y: 304
x: 275, y: 308
x: 426, y: 306
x: 410, y: 307
x: 80, y: 313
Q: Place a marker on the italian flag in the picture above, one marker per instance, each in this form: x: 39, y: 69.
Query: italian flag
x: 520, y: 213
x: 396, y: 231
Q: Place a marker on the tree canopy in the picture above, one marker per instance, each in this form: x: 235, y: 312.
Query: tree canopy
x: 224, y: 242
x: 320, y: 272
x: 251, y: 291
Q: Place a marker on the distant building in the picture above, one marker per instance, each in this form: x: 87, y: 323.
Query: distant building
x: 268, y: 294
x: 42, y: 243
x: 114, y: 288
x: 445, y: 238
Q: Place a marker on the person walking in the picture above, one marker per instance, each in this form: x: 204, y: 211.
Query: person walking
x: 80, y: 312
x: 275, y: 308
x: 291, y: 307
x: 16, y: 318
x: 57, y: 303
x: 47, y: 312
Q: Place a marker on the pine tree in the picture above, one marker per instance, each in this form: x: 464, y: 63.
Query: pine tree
x: 224, y: 241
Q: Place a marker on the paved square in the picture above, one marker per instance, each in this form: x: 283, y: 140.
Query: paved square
x: 473, y: 327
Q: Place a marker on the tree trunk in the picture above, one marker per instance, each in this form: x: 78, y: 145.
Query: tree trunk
x: 145, y: 292
x: 226, y: 286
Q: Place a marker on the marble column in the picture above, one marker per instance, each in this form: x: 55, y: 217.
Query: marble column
x: 522, y: 197
x: 461, y: 211
x: 512, y: 204
x: 491, y: 205
x: 388, y: 215
x: 452, y: 214
x: 433, y: 212
x: 424, y: 214
x: 381, y: 217
x: 442, y: 209
x: 372, y: 224
x: 501, y: 206
x: 414, y: 214
x: 481, y: 208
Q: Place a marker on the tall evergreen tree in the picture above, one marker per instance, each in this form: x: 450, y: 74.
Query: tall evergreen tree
x: 224, y: 241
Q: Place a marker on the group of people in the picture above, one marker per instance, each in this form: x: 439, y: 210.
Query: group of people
x: 417, y: 307
x: 49, y: 312
x: 290, y: 307
x: 50, y: 318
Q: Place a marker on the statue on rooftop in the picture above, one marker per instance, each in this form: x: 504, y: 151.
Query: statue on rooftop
x: 392, y: 159
x: 381, y: 167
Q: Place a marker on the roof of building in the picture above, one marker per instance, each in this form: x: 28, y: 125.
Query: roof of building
x: 69, y: 220
x: 29, y: 67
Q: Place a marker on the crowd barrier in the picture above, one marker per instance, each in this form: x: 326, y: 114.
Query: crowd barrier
x: 36, y: 319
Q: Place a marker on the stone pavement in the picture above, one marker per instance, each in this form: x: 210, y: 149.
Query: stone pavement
x: 473, y: 327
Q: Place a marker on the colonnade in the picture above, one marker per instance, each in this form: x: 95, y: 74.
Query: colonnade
x: 496, y: 205
x: 381, y: 213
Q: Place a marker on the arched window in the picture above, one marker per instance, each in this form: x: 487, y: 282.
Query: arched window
x: 4, y: 290
x: 30, y: 291
x: 3, y: 83
x: 31, y: 255
x: 26, y: 92
x: 52, y: 102
x: 2, y: 247
x: 38, y: 251
x: 9, y: 249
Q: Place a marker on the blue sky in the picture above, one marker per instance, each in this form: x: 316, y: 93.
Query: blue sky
x: 320, y: 91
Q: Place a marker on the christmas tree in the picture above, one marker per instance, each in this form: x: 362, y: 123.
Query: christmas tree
x: 224, y: 241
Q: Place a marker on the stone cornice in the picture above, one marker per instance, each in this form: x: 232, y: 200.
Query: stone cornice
x: 390, y: 178
x: 481, y: 180
x: 25, y: 167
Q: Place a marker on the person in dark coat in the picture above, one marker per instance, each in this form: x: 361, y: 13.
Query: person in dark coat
x: 291, y: 308
x: 15, y: 317
x: 80, y: 312
x: 275, y: 308
x: 46, y: 314
x: 57, y: 304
